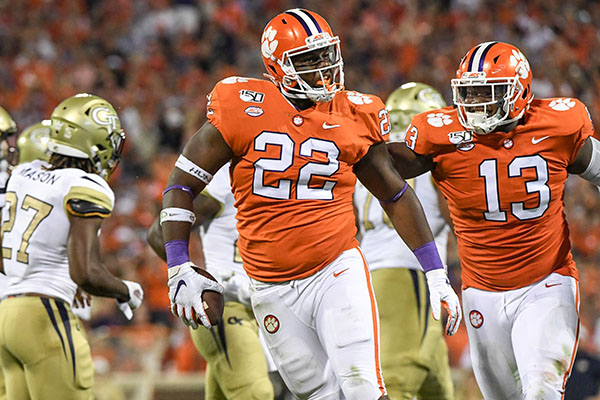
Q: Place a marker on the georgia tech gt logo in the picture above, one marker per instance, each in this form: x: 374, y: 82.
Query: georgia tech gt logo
x: 103, y: 116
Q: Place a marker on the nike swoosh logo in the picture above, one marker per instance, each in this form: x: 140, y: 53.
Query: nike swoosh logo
x: 327, y: 126
x: 336, y: 274
x: 179, y: 286
x: 536, y: 141
x: 552, y: 284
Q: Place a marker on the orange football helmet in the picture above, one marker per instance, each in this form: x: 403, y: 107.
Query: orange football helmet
x: 492, y: 87
x: 298, y: 44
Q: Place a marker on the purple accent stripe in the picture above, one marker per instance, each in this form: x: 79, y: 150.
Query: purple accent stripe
x: 177, y: 252
x: 472, y: 58
x: 312, y: 18
x: 186, y: 189
x: 482, y: 59
x: 397, y: 196
x: 306, y: 28
x: 428, y: 256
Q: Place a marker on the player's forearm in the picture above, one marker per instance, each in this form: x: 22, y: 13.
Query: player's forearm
x: 100, y: 282
x: 155, y: 240
x: 409, y: 220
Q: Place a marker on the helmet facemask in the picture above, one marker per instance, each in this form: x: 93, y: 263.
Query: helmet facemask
x: 483, y: 103
x: 303, y: 63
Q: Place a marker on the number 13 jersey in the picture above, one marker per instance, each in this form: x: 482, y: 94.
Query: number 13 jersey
x: 291, y: 172
x: 505, y: 190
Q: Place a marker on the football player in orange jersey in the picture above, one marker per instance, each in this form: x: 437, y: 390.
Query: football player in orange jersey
x: 501, y: 159
x: 297, y: 142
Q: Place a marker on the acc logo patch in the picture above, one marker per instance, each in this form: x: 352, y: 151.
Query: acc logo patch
x: 250, y: 96
x: 476, y: 319
x: 359, y: 98
x: 562, y: 104
x: 439, y: 119
x: 271, y: 323
x: 254, y: 111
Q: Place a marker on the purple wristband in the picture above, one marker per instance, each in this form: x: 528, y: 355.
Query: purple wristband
x: 397, y: 196
x: 177, y: 252
x: 428, y: 257
x: 186, y: 189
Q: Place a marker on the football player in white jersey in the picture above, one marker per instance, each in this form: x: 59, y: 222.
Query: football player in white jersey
x: 414, y: 356
x: 50, y: 245
x: 247, y: 377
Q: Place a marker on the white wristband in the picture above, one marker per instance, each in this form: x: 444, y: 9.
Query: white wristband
x: 176, y: 214
x: 187, y: 166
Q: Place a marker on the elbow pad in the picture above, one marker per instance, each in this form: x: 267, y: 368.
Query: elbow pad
x: 592, y: 172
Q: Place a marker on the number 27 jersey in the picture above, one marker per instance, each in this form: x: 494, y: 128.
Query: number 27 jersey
x: 292, y: 175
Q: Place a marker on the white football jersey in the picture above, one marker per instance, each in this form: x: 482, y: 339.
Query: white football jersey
x: 35, y: 226
x: 219, y: 237
x: 381, y: 245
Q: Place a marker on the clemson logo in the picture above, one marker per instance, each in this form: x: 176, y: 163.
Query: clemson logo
x: 271, y: 323
x: 476, y: 319
x: 359, y: 98
x: 269, y: 45
x: 562, y: 104
x: 438, y: 119
x: 518, y: 60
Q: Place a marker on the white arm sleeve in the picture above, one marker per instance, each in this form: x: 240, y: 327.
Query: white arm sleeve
x: 592, y: 172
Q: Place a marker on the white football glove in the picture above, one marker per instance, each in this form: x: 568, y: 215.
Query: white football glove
x: 442, y: 294
x: 82, y: 305
x: 136, y: 295
x: 185, y: 292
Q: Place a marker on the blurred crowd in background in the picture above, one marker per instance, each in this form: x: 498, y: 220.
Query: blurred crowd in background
x: 155, y: 61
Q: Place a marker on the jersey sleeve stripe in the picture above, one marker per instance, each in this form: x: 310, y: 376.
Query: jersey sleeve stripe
x: 90, y: 195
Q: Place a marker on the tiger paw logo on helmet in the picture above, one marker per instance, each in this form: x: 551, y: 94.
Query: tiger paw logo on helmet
x: 522, y: 65
x: 438, y: 119
x: 269, y: 45
x: 562, y: 104
x: 359, y: 98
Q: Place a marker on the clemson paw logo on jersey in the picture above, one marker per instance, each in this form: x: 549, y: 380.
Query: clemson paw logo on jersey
x: 271, y: 323
x: 476, y: 319
x: 522, y: 65
x: 438, y: 119
x: 359, y: 98
x: 562, y: 104
x: 269, y: 45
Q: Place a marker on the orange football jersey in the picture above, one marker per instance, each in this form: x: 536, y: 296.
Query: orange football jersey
x: 291, y: 173
x: 505, y: 190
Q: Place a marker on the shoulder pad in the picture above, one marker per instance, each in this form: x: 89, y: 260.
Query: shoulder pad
x: 92, y: 189
x: 86, y: 209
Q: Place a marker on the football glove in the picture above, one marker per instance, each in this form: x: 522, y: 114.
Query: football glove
x: 442, y: 294
x: 186, y: 286
x: 82, y: 305
x: 136, y: 295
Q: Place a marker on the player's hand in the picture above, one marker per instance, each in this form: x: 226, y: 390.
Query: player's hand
x: 187, y: 285
x: 82, y: 305
x: 442, y: 294
x: 136, y: 295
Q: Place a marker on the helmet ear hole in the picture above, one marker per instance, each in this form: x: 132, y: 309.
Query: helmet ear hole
x: 525, y: 92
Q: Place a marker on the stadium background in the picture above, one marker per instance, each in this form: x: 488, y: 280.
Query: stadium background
x: 156, y: 60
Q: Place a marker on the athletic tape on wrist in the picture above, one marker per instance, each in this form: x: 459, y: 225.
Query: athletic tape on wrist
x: 176, y: 214
x: 177, y: 252
x: 186, y: 189
x: 187, y: 166
x: 428, y: 257
x: 397, y: 196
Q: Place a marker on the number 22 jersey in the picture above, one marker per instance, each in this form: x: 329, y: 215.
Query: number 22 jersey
x: 291, y: 171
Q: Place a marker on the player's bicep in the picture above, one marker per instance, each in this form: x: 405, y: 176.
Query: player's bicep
x: 408, y: 163
x: 208, y: 150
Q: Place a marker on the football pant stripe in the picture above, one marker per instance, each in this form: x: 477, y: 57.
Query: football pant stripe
x: 415, y: 280
x: 50, y: 312
x: 574, y: 351
x: 64, y: 315
x: 375, y: 319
